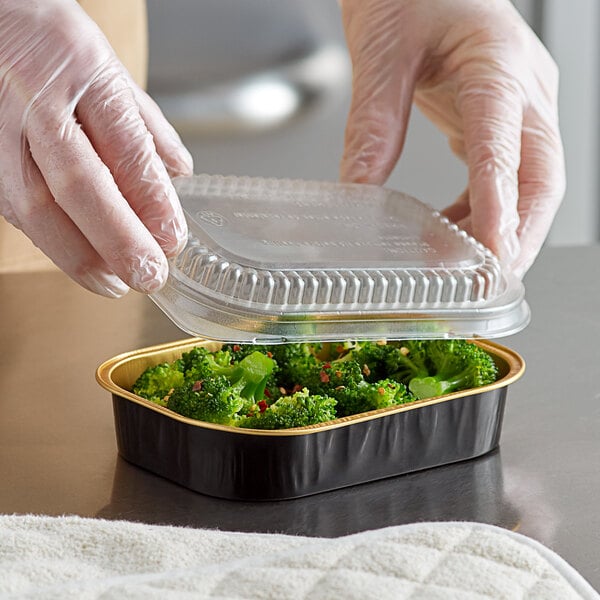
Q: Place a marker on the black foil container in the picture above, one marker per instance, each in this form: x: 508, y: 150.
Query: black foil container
x: 242, y: 464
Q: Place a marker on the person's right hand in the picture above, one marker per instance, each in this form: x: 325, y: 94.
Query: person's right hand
x: 85, y: 155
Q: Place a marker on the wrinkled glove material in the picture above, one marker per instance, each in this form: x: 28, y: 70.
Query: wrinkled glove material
x: 479, y: 73
x: 86, y: 157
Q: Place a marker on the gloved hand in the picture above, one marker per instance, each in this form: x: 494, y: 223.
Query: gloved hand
x: 481, y: 75
x: 85, y: 155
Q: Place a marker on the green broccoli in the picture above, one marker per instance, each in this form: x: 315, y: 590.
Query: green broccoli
x: 381, y: 359
x: 212, y: 400
x: 371, y: 396
x: 333, y: 377
x: 371, y: 356
x: 157, y: 382
x: 238, y: 352
x: 200, y: 363
x: 406, y: 360
x: 295, y: 361
x: 297, y: 410
x: 293, y: 385
x: 455, y: 365
x: 224, y: 391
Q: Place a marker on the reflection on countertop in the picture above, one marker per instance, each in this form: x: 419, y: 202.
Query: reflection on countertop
x: 466, y: 491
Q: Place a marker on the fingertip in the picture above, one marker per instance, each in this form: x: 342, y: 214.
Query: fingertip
x: 178, y: 161
x: 505, y: 246
x: 352, y: 173
x: 364, y: 166
x: 149, y: 274
x: 519, y: 270
x: 523, y: 262
x: 507, y: 249
x: 374, y: 139
x: 181, y: 244
x: 170, y: 228
x: 104, y: 284
x: 172, y: 246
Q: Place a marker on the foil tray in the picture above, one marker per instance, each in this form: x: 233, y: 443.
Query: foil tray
x: 245, y: 464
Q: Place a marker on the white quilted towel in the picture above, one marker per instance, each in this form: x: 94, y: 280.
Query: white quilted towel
x: 71, y: 557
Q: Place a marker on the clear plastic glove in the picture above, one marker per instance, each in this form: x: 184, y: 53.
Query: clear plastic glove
x: 85, y: 155
x: 480, y: 74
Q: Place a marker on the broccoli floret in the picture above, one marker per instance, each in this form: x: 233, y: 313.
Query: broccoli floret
x: 238, y: 352
x: 249, y: 376
x: 225, y: 391
x: 297, y: 410
x: 200, y: 363
x: 406, y: 360
x: 334, y: 377
x: 371, y: 396
x: 295, y: 362
x: 455, y: 365
x: 212, y: 400
x: 155, y: 383
x: 371, y: 356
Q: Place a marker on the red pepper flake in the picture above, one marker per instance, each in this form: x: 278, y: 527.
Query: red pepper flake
x: 381, y: 391
x: 338, y: 374
x: 262, y: 405
x: 339, y: 349
x: 197, y: 386
x: 324, y: 377
x: 327, y: 365
x: 236, y: 348
x: 267, y: 393
x: 296, y: 388
x: 366, y: 370
x: 269, y: 354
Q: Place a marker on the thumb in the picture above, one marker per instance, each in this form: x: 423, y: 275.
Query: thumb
x: 384, y: 73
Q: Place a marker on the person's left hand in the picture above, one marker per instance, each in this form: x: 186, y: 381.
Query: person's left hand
x: 481, y: 75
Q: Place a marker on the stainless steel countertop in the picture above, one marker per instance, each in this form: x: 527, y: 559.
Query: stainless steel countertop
x: 58, y: 452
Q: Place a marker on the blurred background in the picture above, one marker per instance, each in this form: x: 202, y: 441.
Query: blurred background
x: 258, y: 87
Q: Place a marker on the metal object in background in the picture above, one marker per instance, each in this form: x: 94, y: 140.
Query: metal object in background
x: 236, y: 66
x: 258, y: 101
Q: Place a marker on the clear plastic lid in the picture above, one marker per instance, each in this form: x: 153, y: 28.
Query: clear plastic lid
x: 272, y: 260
